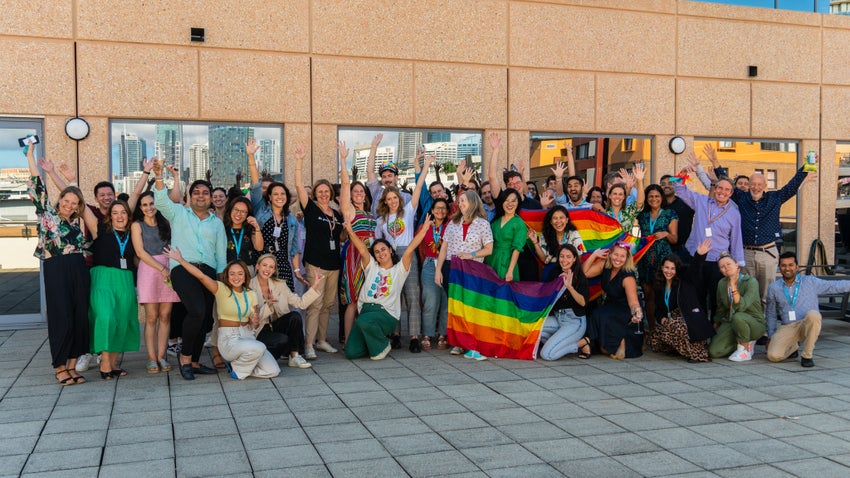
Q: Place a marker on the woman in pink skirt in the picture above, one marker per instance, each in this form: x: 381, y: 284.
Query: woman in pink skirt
x: 151, y: 233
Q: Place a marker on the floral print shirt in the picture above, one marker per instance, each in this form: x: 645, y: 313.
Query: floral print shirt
x: 55, y: 235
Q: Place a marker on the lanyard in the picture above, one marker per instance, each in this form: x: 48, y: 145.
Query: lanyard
x: 437, y: 234
x: 237, y: 242
x: 708, y: 212
x: 653, y: 221
x: 792, y: 301
x: 238, y: 308
x: 667, y: 298
x: 121, y: 245
x: 731, y: 295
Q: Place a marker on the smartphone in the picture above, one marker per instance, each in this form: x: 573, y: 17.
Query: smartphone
x: 33, y: 139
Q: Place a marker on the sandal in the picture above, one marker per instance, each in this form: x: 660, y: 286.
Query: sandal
x: 426, y: 343
x: 153, y: 367
x: 581, y: 353
x: 616, y: 357
x: 120, y: 372
x: 67, y: 381
x: 218, y: 362
x: 106, y: 375
x: 442, y: 344
x: 77, y: 377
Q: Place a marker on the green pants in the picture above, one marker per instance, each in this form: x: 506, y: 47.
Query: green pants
x: 368, y: 336
x: 743, y: 328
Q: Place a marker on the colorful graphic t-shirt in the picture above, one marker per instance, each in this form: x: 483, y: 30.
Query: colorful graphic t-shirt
x: 397, y: 229
x: 383, y: 287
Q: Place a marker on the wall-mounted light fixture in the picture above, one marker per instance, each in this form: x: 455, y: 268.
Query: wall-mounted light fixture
x: 752, y: 71
x: 677, y: 145
x: 77, y: 128
x: 197, y: 34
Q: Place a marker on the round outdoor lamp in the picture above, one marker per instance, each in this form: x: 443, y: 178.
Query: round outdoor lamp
x: 677, y: 145
x: 77, y: 128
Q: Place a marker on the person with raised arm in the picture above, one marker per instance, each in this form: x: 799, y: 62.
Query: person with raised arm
x: 435, y: 308
x: 321, y: 253
x: 618, y: 208
x: 353, y: 196
x: 395, y: 223
x: 380, y: 298
x: 387, y: 176
x: 61, y: 248
x: 200, y: 236
x: 655, y: 220
x: 151, y: 232
x: 236, y: 305
x: 563, y: 331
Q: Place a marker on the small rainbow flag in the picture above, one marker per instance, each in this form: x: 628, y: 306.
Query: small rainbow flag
x: 497, y: 318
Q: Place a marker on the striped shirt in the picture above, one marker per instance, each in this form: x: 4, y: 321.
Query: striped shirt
x: 810, y: 287
x: 760, y: 219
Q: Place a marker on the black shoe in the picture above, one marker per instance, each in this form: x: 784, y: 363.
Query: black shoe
x: 186, y: 371
x: 794, y: 355
x: 762, y: 340
x: 202, y: 369
x: 395, y: 341
x: 807, y: 362
x: 415, y: 347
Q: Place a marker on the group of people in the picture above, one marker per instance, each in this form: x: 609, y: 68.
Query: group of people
x: 241, y: 267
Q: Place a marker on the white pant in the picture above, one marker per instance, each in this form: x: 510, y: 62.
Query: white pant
x: 247, y: 356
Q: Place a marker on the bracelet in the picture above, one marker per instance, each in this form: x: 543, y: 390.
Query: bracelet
x: 473, y: 253
x: 146, y: 172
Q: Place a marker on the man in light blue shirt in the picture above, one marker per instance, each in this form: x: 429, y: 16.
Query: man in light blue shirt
x: 200, y: 238
x: 793, y: 314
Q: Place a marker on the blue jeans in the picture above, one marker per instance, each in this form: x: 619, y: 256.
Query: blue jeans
x: 435, y: 303
x: 561, y: 333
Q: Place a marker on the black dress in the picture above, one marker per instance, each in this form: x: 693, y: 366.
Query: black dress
x: 611, y: 322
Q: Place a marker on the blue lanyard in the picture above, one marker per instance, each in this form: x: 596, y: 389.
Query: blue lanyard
x: 237, y: 242
x: 667, y: 298
x: 122, y: 245
x: 653, y: 221
x: 238, y: 308
x: 792, y: 301
x: 729, y: 290
x: 438, y: 236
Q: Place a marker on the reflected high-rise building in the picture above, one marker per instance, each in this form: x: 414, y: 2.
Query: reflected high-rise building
x: 132, y: 152
x: 227, y: 153
x: 169, y: 141
x: 408, y: 141
x: 438, y: 137
x: 268, y: 157
x: 199, y: 160
x: 470, y: 145
x: 383, y: 154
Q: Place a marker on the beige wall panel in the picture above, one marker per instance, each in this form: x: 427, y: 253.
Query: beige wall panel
x: 835, y: 21
x: 38, y: 77
x: 724, y: 48
x: 554, y: 36
x: 547, y: 100
x: 38, y: 19
x: 836, y: 121
x: 785, y: 111
x: 362, y: 92
x: 325, y: 155
x: 251, y: 86
x: 461, y: 96
x: 836, y: 68
x: 634, y: 104
x: 293, y: 133
x: 519, y: 149
x: 663, y: 161
x: 58, y: 146
x: 713, y: 107
x: 708, y: 9
x: 487, y: 154
x: 94, y: 156
x: 137, y: 81
x: 472, y: 31
x: 662, y: 6
x: 251, y: 24
x: 826, y: 189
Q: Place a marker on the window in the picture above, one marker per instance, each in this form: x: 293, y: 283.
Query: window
x: 779, y: 146
x: 199, y: 150
x: 726, y: 146
x: 400, y: 146
x: 594, y: 155
x: 770, y: 179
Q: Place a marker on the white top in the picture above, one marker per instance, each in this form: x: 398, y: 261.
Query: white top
x: 478, y: 235
x: 383, y: 287
x: 397, y: 230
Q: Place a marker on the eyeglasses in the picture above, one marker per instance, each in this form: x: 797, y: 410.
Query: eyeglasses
x: 440, y: 209
x: 240, y: 211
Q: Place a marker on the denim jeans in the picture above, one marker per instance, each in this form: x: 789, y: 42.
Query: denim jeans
x: 561, y: 333
x: 435, y: 304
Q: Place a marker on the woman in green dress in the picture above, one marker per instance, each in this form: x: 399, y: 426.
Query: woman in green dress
x: 509, y: 235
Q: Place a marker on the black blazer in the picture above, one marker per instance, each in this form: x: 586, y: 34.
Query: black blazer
x: 688, y: 291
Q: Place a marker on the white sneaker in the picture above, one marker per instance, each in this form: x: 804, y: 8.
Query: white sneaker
x: 83, y: 363
x: 383, y: 354
x: 456, y: 351
x: 751, y: 347
x: 309, y: 354
x: 207, y: 343
x: 326, y: 347
x: 299, y: 362
x: 742, y: 354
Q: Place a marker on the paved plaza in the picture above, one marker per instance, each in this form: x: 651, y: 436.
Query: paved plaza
x: 433, y: 414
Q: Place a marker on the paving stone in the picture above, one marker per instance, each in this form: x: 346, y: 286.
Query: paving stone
x: 689, y: 417
x: 772, y: 451
x: 639, y: 421
x: 560, y: 450
x: 620, y: 443
x: 91, y: 471
x: 424, y: 464
x: 11, y: 465
x: 140, y: 419
x: 727, y: 432
x: 820, y: 444
x: 124, y: 436
x: 712, y: 457
x: 261, y: 422
x: 490, y: 401
x: 670, y: 438
x: 65, y: 425
x: 147, y: 451
x: 628, y: 390
x: 823, y: 422
x: 415, y: 444
x: 199, y: 413
x: 274, y: 438
x: 314, y: 471
x: 533, y: 431
x: 205, y: 428
x: 654, y: 402
x: 755, y: 471
x: 338, y: 432
x: 397, y: 426
x: 656, y: 463
x: 62, y: 460
x: 26, y: 415
x: 419, y: 393
x: 500, y: 456
x: 507, y: 416
x: 425, y: 408
x: 324, y: 417
x: 284, y: 457
x: 314, y: 403
x: 538, y: 470
x: 610, y: 406
x: 70, y: 441
x: 588, y: 426
x: 476, y: 437
x: 820, y: 467
x: 352, y: 450
x: 206, y: 445
x: 601, y: 467
x: 221, y: 463
x: 454, y: 421
x: 18, y: 445
x: 375, y: 468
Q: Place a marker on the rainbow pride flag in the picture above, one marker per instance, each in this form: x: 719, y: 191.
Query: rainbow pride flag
x: 497, y: 318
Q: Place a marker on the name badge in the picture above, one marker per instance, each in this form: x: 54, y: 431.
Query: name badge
x: 332, y: 245
x: 636, y: 231
x: 276, y: 232
x: 792, y: 316
x: 123, y: 263
x: 707, y: 232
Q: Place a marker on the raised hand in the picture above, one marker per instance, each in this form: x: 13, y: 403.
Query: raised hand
x: 377, y: 140
x: 46, y: 165
x: 639, y: 171
x: 147, y: 164
x: 704, y: 246
x: 494, y: 140
x: 253, y: 222
x: 559, y: 169
x: 568, y: 278
x: 710, y: 153
x: 300, y: 151
x: 343, y: 152
x: 67, y: 173
x: 532, y: 236
x: 173, y: 252
x: 692, y: 159
x: 251, y: 147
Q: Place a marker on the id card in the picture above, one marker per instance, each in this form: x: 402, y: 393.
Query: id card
x: 123, y: 263
x: 276, y: 232
x: 332, y: 245
x: 792, y: 316
x: 707, y: 232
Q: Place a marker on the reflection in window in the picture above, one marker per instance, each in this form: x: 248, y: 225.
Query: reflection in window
x: 401, y: 145
x: 750, y: 156
x: 594, y: 156
x: 200, y: 150
x: 15, y: 206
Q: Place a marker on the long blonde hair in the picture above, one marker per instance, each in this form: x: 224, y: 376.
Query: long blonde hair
x: 629, y: 265
x: 475, y: 209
